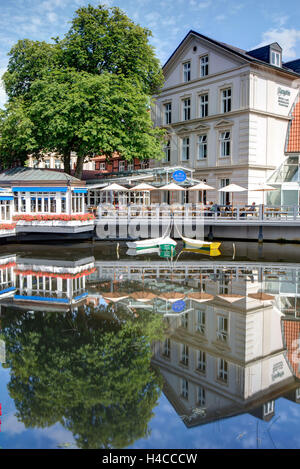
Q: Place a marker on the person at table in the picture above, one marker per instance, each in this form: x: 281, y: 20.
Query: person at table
x: 252, y: 208
x: 228, y: 207
x: 213, y: 208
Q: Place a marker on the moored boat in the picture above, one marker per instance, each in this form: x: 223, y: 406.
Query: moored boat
x: 204, y: 245
x: 151, y: 243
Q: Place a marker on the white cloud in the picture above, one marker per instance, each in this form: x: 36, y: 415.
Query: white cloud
x: 288, y: 39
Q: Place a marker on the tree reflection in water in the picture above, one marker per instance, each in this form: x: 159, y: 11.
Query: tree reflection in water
x: 91, y: 374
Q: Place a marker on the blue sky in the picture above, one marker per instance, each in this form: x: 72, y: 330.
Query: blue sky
x: 243, y: 23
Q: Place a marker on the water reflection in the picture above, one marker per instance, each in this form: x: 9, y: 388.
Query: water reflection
x: 90, y: 343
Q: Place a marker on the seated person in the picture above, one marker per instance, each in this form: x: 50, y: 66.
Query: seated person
x: 252, y: 208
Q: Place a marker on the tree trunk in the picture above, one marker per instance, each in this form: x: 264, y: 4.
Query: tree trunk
x: 79, y: 167
x: 67, y: 162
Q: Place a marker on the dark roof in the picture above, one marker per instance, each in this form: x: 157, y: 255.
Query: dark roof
x: 26, y: 175
x: 263, y: 53
x: 293, y: 65
x: 249, y: 56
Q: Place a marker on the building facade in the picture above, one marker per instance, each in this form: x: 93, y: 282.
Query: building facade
x: 226, y: 112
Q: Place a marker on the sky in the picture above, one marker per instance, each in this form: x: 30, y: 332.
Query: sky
x: 242, y: 23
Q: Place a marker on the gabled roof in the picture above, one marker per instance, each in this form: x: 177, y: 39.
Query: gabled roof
x: 249, y: 56
x: 21, y: 174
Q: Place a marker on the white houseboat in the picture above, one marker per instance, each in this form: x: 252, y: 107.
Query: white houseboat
x: 44, y: 201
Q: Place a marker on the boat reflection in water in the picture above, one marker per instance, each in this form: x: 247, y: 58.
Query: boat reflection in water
x: 224, y: 340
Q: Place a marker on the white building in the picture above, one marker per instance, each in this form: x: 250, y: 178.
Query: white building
x: 226, y: 112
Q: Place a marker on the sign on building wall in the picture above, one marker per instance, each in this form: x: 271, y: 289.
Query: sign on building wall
x: 283, y: 97
x: 179, y: 176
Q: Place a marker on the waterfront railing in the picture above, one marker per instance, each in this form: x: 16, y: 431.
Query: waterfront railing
x: 241, y: 213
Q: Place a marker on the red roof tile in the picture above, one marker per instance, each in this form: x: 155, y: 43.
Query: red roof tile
x: 293, y: 144
x: 291, y: 332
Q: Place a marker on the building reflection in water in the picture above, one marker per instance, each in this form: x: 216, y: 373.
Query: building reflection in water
x: 234, y: 353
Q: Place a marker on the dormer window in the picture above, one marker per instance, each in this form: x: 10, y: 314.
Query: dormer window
x: 275, y: 58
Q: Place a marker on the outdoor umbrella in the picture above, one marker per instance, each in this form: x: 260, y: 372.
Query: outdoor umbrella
x: 115, y: 296
x: 261, y: 296
x: 263, y: 188
x: 114, y: 188
x: 232, y: 188
x: 172, y: 187
x: 200, y: 297
x: 231, y: 298
x: 201, y: 187
x: 143, y: 187
x: 143, y: 296
x: 171, y: 296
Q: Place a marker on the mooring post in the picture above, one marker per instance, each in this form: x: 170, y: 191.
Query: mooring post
x: 260, y: 234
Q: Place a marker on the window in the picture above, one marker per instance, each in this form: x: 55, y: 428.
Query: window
x: 225, y: 141
x: 184, y: 355
x: 121, y: 165
x: 57, y: 164
x: 268, y: 408
x: 201, y: 396
x: 226, y: 100
x: 185, y: 320
x: 222, y: 370
x: 222, y: 332
x: 184, y: 388
x: 224, y: 196
x: 167, y: 348
x: 187, y: 71
x: 168, y: 113
x: 202, y: 147
x: 47, y: 163
x: 167, y: 151
x: 186, y: 109
x: 204, y: 105
x: 200, y: 322
x: 201, y: 361
x: 130, y: 166
x: 275, y: 58
x: 204, y: 66
x: 102, y: 166
x: 185, y: 149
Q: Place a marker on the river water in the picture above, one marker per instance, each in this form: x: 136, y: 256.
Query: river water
x: 101, y: 347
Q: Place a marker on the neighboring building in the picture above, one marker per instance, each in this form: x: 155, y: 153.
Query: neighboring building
x: 54, y: 161
x: 227, y: 112
x: 97, y: 164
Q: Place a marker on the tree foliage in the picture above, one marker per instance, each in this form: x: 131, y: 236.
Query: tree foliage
x: 91, y: 375
x: 87, y: 93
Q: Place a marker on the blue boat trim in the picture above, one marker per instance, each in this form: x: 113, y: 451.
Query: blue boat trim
x: 39, y: 189
x: 7, y: 290
x: 41, y: 298
x: 80, y: 296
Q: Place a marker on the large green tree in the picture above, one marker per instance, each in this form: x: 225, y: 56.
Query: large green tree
x: 90, y: 374
x: 89, y: 92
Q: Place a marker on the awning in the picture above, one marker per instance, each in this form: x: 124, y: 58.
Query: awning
x: 39, y: 189
x: 79, y: 191
x: 8, y: 197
